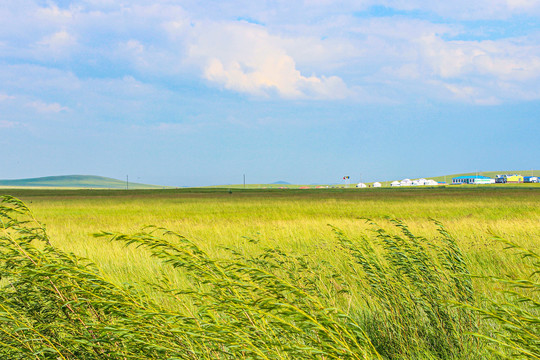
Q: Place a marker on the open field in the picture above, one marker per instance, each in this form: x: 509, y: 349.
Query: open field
x: 295, y: 221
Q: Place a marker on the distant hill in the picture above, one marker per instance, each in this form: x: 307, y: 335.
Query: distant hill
x: 75, y: 181
x: 281, y: 182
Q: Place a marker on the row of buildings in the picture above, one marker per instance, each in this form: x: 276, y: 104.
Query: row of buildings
x: 499, y: 179
x: 470, y: 179
x: 419, y: 182
x: 404, y: 182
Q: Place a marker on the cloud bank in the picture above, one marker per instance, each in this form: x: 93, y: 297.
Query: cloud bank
x: 359, y: 51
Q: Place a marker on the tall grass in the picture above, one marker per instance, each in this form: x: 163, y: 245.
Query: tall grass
x: 56, y: 305
x: 516, y: 320
x: 413, y: 283
x: 264, y: 305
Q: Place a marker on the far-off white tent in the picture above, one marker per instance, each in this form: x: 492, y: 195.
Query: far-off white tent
x: 406, y: 182
x: 377, y: 184
x: 395, y: 183
x: 431, y: 182
x: 361, y: 185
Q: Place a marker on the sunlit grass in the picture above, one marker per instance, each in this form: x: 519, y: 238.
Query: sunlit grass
x: 296, y: 222
x: 411, y: 315
x: 293, y: 221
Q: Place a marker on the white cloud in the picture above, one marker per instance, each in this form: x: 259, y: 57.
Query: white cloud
x: 415, y: 57
x: 58, y: 44
x: 471, y: 94
x: 314, y: 49
x: 4, y: 97
x: 53, y: 13
x: 4, y: 124
x: 503, y: 59
x: 522, y: 4
x: 246, y: 58
x: 44, y: 107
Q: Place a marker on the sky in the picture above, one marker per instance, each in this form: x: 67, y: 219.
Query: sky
x: 193, y: 93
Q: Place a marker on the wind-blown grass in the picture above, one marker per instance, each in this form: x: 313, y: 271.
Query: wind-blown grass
x: 56, y: 305
x: 265, y: 305
x: 413, y: 282
x: 517, y: 319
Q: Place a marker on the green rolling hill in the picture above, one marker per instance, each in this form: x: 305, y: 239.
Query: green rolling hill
x: 75, y: 181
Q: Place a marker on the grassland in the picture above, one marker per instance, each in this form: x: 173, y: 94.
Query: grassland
x: 295, y: 221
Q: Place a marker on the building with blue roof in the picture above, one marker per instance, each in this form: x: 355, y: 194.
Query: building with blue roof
x: 472, y: 179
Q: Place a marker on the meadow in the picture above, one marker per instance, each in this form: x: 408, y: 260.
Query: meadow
x: 328, y: 241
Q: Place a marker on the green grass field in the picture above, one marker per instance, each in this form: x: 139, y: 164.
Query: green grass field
x: 296, y: 220
x: 299, y: 223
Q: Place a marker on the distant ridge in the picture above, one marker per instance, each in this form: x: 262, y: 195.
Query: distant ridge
x: 281, y: 182
x: 75, y: 181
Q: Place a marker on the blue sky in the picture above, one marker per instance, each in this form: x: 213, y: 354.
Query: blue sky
x: 188, y: 93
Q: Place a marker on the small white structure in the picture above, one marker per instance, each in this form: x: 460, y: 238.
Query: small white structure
x: 361, y: 185
x: 405, y: 182
x: 377, y: 184
x: 431, y: 182
x: 395, y: 183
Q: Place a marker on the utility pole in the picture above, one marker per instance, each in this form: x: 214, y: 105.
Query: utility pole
x: 244, y: 181
x: 127, y: 182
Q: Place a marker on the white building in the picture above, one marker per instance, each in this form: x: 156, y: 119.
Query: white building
x: 431, y: 182
x: 405, y: 182
x: 395, y: 183
x: 361, y: 185
x: 377, y: 184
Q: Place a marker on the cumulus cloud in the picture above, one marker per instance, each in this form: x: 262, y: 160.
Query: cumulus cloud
x: 487, y: 70
x: 246, y: 58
